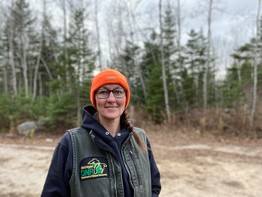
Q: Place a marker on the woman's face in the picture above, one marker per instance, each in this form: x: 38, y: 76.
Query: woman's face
x: 110, y: 101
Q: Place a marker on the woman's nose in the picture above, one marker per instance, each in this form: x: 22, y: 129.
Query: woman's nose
x: 111, y: 97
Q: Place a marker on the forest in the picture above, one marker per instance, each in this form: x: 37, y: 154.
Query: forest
x: 46, y: 66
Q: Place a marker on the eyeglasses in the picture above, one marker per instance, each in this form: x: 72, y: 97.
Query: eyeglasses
x: 104, y: 93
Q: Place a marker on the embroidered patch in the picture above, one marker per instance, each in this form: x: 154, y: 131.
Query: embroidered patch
x: 93, y: 167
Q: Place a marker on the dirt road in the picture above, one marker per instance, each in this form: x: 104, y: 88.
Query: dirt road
x: 200, y: 170
x: 187, y: 170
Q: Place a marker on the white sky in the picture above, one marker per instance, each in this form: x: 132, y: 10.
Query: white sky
x: 233, y: 21
x: 233, y: 24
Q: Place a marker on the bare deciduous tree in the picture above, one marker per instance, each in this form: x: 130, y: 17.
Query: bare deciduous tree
x: 64, y: 8
x: 257, y: 61
x: 36, y: 73
x: 207, y: 65
x: 11, y: 52
x: 167, y: 108
x: 98, y: 36
x: 178, y: 41
x: 133, y: 32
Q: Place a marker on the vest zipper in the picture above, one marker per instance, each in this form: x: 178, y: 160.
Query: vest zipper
x: 127, y: 169
x: 134, y: 159
x: 113, y: 170
x: 124, y: 159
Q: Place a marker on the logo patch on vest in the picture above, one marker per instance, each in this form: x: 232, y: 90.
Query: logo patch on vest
x: 93, y: 167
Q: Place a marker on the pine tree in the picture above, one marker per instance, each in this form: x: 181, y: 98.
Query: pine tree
x: 195, y: 55
x: 171, y: 59
x: 151, y: 69
x: 238, y: 82
x: 4, y: 68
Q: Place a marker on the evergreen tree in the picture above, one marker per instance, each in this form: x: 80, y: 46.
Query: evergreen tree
x: 195, y: 55
x: 130, y: 58
x: 151, y: 69
x: 195, y: 61
x: 169, y: 34
x: 238, y: 83
x: 171, y: 59
x: 49, y: 57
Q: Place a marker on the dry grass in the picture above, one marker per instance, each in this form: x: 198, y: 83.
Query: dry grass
x: 219, y: 122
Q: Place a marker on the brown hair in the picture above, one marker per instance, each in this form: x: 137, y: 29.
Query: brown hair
x: 126, y: 123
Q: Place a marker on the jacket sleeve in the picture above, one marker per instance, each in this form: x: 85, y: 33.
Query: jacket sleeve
x: 155, y: 174
x: 60, y: 170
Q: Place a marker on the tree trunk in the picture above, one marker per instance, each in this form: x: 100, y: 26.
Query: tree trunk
x: 12, y: 63
x: 24, y: 46
x: 65, y: 64
x: 11, y: 56
x: 258, y: 54
x: 40, y: 84
x: 207, y: 65
x: 98, y: 36
x: 136, y: 64
x: 239, y: 73
x: 163, y: 65
x: 47, y: 69
x: 180, y: 91
x: 5, y: 80
x: 39, y: 55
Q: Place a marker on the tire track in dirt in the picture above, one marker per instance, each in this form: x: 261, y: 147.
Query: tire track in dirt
x: 210, y: 170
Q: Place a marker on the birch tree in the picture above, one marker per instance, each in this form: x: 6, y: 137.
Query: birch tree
x: 164, y: 77
x: 98, y: 38
x: 179, y: 51
x: 257, y: 61
x: 23, y: 35
x: 134, y: 70
x: 23, y: 40
x: 10, y: 37
x: 207, y: 65
x: 3, y: 51
x: 65, y: 21
x: 36, y: 73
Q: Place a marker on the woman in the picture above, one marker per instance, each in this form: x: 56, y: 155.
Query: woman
x: 105, y: 156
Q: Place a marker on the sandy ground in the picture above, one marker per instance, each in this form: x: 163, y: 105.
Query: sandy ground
x: 190, y: 169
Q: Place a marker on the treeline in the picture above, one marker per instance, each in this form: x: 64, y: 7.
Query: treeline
x: 45, y: 75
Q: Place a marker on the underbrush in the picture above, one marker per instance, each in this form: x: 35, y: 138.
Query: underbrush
x: 57, y: 116
x: 233, y: 123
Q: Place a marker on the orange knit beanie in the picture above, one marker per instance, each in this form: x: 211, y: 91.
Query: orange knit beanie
x: 109, y: 76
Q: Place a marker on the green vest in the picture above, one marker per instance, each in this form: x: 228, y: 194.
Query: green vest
x: 96, y: 173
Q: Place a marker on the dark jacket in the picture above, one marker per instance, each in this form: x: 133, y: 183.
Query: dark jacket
x: 61, y: 168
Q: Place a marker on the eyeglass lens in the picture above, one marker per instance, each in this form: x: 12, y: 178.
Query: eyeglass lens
x: 104, y: 93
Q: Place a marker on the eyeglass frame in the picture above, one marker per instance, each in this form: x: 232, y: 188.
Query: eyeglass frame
x: 109, y: 91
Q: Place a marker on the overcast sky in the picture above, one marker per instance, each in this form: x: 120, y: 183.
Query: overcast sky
x: 233, y: 24
x: 233, y: 21
x: 229, y: 17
